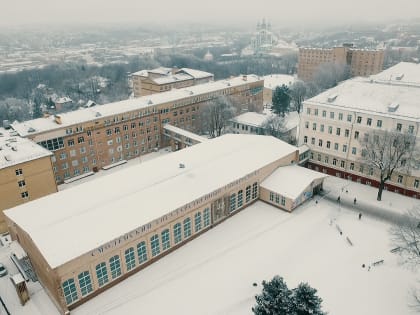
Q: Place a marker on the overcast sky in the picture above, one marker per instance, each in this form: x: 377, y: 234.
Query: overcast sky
x: 279, y: 12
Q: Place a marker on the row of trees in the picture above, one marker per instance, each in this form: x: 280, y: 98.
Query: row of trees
x: 277, y: 299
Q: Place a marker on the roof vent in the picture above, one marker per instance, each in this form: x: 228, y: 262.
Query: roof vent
x: 399, y: 76
x: 7, y: 157
x: 332, y: 98
x: 181, y: 165
x: 393, y: 107
x: 98, y: 114
x: 150, y: 102
x: 30, y: 129
x: 57, y: 119
x: 14, y: 148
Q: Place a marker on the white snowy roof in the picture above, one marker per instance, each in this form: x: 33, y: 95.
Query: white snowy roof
x: 63, y: 100
x: 365, y: 96
x: 251, y: 119
x: 273, y: 80
x: 291, y: 181
x: 173, y: 78
x: 291, y: 120
x: 40, y: 125
x: 196, y: 74
x: 403, y: 73
x: 185, y: 133
x: 16, y: 150
x: 123, y: 201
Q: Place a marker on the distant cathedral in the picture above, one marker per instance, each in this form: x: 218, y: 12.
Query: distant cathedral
x: 263, y: 39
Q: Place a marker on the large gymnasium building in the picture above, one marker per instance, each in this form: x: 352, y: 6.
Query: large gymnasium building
x: 86, y: 140
x: 86, y: 239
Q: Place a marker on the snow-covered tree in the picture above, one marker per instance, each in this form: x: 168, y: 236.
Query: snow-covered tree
x: 275, y: 299
x: 386, y: 152
x: 305, y: 301
x: 298, y: 94
x: 281, y: 100
x: 215, y: 115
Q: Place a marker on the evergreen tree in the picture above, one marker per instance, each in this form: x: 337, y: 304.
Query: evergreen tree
x: 281, y: 100
x: 275, y: 299
x: 305, y: 301
x: 37, y: 111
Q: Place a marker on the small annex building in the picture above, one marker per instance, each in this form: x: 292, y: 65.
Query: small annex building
x: 90, y: 237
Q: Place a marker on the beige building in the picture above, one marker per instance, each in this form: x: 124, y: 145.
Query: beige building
x: 25, y: 173
x: 107, y: 229
x: 89, y: 139
x: 146, y: 82
x: 271, y: 82
x: 333, y: 122
x: 361, y: 62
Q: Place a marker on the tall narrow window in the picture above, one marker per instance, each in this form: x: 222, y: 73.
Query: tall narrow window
x: 101, y: 274
x: 187, y: 227
x: 240, y: 198
x: 166, y: 240
x: 254, y: 190
x: 232, y: 202
x: 248, y: 193
x: 197, y: 221
x: 85, y: 283
x: 69, y: 290
x: 177, y: 233
x: 206, y: 217
x: 154, y: 244
x: 130, y: 259
x: 142, y: 252
x: 115, y: 266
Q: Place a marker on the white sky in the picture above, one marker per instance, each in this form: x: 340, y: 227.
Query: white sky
x: 279, y: 12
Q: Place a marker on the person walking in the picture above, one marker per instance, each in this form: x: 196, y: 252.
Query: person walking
x: 354, y: 200
x: 360, y: 215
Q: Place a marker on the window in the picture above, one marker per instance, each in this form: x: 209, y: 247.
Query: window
x: 24, y: 195
x: 306, y: 124
x: 197, y: 222
x: 369, y: 122
x: 356, y: 135
x: 130, y: 260
x: 332, y: 115
x: 321, y: 128
x: 72, y: 152
x: 166, y: 240
x: 308, y: 111
x: 352, y: 166
x: 240, y: 198
x: 206, y: 217
x: 314, y: 126
x: 142, y: 252
x: 416, y: 183
x: 248, y: 194
x: 85, y: 283
x: 338, y: 131
x: 74, y: 162
x: 187, y: 227
x: 21, y: 183
x: 63, y: 156
x: 117, y: 130
x: 305, y: 139
x: 277, y: 198
x: 411, y: 129
x: 125, y: 127
x: 359, y: 119
x: 82, y: 150
x: 70, y: 142
x: 18, y: 172
x: 254, y: 190
x: 336, y: 146
x: 342, y: 164
x: 324, y: 113
x: 334, y: 161
x: 346, y: 133
x: 80, y: 140
x: 101, y: 274
x: 177, y: 233
x: 283, y: 201
x: 344, y: 147
x: 312, y: 140
x: 340, y: 116
x: 379, y: 123
x: 371, y: 171
x: 399, y: 127
x: 330, y: 129
x: 115, y: 266
x: 316, y: 111
x: 328, y: 144
x: 399, y: 179
x: 326, y: 159
x: 271, y: 196
x: 349, y: 117
x: 232, y: 202
x: 320, y: 142
x: 69, y: 290
x: 361, y: 169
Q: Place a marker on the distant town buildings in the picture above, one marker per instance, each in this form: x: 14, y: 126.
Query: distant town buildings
x: 84, y: 240
x: 361, y: 62
x: 89, y: 139
x: 26, y: 172
x: 163, y: 79
x: 334, y: 121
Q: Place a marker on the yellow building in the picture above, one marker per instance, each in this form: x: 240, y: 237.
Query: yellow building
x: 25, y: 173
x: 89, y: 139
x: 361, y: 62
x: 146, y: 82
x: 84, y: 240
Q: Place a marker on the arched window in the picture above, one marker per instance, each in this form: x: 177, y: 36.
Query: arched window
x: 197, y: 222
x: 85, y: 283
x: 232, y: 202
x: 248, y: 193
x: 101, y: 274
x: 115, y: 266
x: 130, y: 259
x: 254, y: 190
x: 166, y: 242
x: 154, y: 244
x: 206, y: 217
x: 240, y: 198
x: 69, y: 290
x: 177, y: 233
x: 187, y: 227
x: 142, y: 252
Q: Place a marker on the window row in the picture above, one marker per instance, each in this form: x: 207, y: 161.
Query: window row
x: 236, y: 199
x: 276, y: 198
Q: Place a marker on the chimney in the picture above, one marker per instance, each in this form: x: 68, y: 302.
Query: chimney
x: 57, y: 119
x: 245, y: 77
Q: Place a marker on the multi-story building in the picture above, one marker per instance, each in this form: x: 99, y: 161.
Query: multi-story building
x: 84, y: 240
x: 89, y: 139
x: 146, y: 82
x: 361, y: 62
x: 26, y: 172
x: 333, y: 122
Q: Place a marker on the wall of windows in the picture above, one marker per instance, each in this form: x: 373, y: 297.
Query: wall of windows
x: 70, y: 291
x: 154, y: 244
x: 85, y: 283
x: 130, y: 260
x: 115, y: 266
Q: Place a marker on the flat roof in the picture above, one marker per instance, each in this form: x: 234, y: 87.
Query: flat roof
x: 274, y: 80
x: 291, y: 181
x: 363, y: 95
x: 251, y: 119
x: 15, y: 150
x: 40, y: 125
x: 185, y: 133
x: 196, y: 74
x: 403, y: 73
x: 102, y: 210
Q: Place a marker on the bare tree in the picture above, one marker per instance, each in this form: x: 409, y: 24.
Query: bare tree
x: 215, y: 115
x: 298, y: 93
x: 329, y: 74
x: 387, y: 152
x: 274, y: 126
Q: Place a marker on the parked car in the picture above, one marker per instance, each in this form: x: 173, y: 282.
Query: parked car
x: 3, y: 270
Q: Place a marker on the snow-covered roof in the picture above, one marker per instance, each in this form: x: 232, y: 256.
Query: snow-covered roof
x: 363, y: 95
x: 403, y: 73
x: 291, y: 120
x: 185, y: 133
x: 172, y: 78
x: 63, y: 100
x: 196, y: 74
x: 291, y: 181
x: 273, y: 80
x: 123, y: 201
x: 251, y: 119
x: 79, y: 116
x: 16, y: 150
